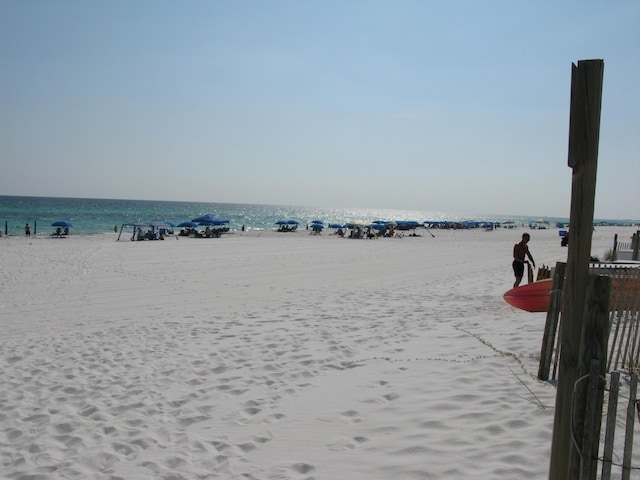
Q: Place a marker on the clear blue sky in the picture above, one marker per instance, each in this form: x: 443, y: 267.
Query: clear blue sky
x: 458, y: 106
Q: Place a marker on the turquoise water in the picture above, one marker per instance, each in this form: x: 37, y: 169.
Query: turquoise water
x: 92, y: 216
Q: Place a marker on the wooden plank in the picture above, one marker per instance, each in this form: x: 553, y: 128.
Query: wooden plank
x: 551, y: 324
x: 612, y: 411
x: 628, y: 437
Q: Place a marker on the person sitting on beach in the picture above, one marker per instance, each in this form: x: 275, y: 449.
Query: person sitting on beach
x: 520, y: 250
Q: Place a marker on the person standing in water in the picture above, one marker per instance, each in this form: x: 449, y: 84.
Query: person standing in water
x: 520, y: 251
x: 27, y: 231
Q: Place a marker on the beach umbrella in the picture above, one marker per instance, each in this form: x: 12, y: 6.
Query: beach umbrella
x: 319, y: 222
x: 335, y: 225
x: 62, y: 223
x: 282, y: 222
x: 293, y: 222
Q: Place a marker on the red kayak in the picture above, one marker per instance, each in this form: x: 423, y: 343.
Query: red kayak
x: 532, y: 297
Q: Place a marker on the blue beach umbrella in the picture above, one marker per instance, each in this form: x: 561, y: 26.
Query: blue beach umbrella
x: 188, y: 225
x: 62, y: 223
x: 335, y: 225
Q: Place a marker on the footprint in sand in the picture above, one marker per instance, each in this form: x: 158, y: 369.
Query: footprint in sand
x: 347, y: 443
x: 351, y: 416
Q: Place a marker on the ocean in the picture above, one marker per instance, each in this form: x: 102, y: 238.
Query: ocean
x: 95, y: 216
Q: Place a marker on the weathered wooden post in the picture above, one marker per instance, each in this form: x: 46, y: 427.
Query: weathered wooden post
x: 635, y: 245
x: 584, y: 136
x: 614, y: 250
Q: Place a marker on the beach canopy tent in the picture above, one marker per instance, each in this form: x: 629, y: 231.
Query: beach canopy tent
x: 154, y: 230
x: 136, y: 226
x: 287, y: 225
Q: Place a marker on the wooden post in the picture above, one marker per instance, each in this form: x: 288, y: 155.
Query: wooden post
x: 636, y: 244
x: 551, y: 324
x: 614, y: 252
x: 584, y: 134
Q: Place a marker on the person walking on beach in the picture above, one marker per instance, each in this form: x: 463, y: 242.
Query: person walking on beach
x: 520, y: 250
x: 27, y: 231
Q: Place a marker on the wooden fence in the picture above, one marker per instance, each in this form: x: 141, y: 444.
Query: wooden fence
x: 624, y: 321
x: 623, y: 360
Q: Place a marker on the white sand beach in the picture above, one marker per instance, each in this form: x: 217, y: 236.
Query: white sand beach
x: 265, y: 355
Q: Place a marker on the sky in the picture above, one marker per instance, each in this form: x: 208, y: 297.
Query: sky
x: 458, y: 106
